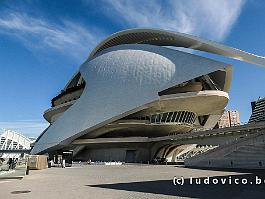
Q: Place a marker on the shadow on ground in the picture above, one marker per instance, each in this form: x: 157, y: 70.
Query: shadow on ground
x: 257, y: 171
x: 204, y: 191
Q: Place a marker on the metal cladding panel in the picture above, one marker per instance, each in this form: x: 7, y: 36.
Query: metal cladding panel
x: 168, y: 38
x: 120, y: 79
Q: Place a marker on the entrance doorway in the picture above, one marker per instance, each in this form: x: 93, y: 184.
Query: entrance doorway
x: 130, y: 156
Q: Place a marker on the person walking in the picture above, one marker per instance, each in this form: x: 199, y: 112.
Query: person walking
x: 10, y: 163
x: 63, y: 163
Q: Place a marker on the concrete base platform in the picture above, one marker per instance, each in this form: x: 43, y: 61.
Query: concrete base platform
x: 127, y: 181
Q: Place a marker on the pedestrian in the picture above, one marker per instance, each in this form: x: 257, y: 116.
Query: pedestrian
x: 61, y: 163
x: 9, y: 163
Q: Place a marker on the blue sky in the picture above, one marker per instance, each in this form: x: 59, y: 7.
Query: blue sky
x: 42, y: 44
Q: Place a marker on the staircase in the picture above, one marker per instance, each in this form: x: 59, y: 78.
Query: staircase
x: 247, y: 152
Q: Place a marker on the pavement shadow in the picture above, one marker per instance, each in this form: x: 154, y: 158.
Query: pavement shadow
x: 204, y: 191
x: 260, y: 171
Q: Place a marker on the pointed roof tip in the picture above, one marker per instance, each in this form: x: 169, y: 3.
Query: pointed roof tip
x: 169, y: 38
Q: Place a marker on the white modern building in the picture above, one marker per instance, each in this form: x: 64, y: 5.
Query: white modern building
x: 11, y: 140
x: 133, y: 87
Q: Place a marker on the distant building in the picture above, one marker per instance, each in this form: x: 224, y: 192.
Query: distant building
x: 258, y: 111
x: 229, y: 118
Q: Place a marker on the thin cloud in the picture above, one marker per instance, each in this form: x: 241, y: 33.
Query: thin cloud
x: 25, y: 127
x: 208, y: 18
x: 36, y: 33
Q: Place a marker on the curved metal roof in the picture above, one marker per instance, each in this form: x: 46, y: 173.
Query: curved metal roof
x: 169, y: 38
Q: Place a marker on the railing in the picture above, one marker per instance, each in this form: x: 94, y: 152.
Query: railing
x: 194, y: 152
x: 229, y: 147
x: 63, y: 96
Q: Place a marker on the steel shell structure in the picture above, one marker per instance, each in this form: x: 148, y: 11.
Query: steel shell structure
x: 133, y: 86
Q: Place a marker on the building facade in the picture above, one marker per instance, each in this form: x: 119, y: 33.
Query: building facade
x: 229, y: 118
x: 258, y: 111
x: 132, y: 88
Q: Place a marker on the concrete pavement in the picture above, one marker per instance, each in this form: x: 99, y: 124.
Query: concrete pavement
x: 127, y: 181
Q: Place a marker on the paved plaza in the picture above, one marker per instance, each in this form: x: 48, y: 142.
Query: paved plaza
x: 129, y: 181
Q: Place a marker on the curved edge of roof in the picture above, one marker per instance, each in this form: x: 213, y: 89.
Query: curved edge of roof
x: 170, y: 38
